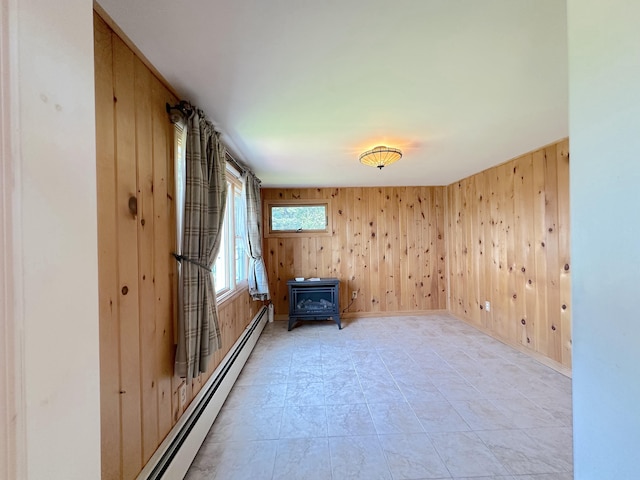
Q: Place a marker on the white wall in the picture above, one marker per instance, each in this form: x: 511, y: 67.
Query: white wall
x: 54, y: 232
x: 10, y: 424
x: 604, y: 126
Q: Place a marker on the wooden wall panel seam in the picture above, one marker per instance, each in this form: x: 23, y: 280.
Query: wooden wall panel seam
x: 379, y: 234
x: 525, y: 266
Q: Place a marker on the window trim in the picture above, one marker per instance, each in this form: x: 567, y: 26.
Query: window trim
x: 269, y: 204
x: 234, y: 178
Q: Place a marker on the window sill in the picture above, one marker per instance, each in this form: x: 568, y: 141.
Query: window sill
x: 230, y: 295
x: 302, y: 234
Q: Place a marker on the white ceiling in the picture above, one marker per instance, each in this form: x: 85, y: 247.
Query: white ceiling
x: 299, y: 88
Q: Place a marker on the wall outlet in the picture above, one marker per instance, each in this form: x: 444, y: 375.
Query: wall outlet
x: 182, y: 395
x: 354, y: 295
x: 487, y: 306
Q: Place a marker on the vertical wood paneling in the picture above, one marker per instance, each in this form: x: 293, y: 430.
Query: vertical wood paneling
x: 146, y: 258
x: 127, y: 242
x: 338, y: 254
x: 107, y: 251
x: 564, y: 248
x: 365, y: 238
x: 164, y: 275
x: 394, y: 286
x: 432, y: 252
x: 358, y: 243
x: 137, y: 275
x: 519, y: 213
x: 488, y: 264
x: 388, y: 243
x: 421, y: 237
x: 473, y: 299
x: 540, y: 335
x: 503, y: 235
x: 403, y: 260
x: 552, y: 326
x: 509, y: 270
x: 495, y: 296
x: 456, y: 230
x: 478, y: 245
x: 525, y: 289
x: 374, y: 292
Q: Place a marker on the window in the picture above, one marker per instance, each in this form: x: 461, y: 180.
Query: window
x: 288, y: 218
x: 181, y: 175
x: 231, y: 265
x: 241, y: 254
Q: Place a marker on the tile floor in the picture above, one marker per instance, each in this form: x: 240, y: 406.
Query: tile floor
x: 424, y: 397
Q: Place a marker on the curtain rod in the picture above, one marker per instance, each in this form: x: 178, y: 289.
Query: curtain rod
x: 241, y: 167
x: 183, y: 110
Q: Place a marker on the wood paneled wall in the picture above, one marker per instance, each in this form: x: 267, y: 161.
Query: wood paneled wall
x: 139, y: 393
x: 509, y: 244
x: 388, y: 243
x: 506, y: 231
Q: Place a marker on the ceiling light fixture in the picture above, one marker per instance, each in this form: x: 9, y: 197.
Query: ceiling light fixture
x: 380, y: 156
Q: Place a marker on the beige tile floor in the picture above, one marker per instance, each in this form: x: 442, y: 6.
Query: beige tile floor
x: 424, y: 397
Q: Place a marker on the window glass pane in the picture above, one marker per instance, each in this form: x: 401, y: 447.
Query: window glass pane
x: 181, y: 173
x: 240, y: 224
x: 231, y: 264
x: 241, y: 263
x: 220, y: 266
x: 295, y: 218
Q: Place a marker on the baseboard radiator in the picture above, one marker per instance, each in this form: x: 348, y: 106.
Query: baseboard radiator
x: 174, y: 456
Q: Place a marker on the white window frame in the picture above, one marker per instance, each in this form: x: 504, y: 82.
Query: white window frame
x: 234, y: 184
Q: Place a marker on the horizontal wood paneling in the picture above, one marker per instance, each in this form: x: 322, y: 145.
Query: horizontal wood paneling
x: 508, y: 244
x: 387, y: 244
x: 137, y: 275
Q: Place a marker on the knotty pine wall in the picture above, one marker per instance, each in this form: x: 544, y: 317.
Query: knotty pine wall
x: 388, y: 243
x: 137, y: 275
x: 509, y: 243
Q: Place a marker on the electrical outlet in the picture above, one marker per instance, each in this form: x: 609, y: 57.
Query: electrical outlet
x: 354, y: 295
x: 487, y: 306
x: 182, y: 395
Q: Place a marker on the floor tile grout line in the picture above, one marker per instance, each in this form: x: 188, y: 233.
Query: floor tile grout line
x: 392, y: 362
x: 433, y: 445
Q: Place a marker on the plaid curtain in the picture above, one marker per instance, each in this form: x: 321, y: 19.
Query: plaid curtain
x: 258, y: 282
x: 205, y: 201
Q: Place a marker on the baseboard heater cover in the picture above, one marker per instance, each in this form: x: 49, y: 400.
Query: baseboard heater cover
x: 176, y: 453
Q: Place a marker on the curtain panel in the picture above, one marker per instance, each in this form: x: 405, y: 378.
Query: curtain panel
x: 205, y: 201
x: 258, y: 282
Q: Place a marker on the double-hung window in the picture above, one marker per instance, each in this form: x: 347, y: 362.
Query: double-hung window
x: 231, y: 265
